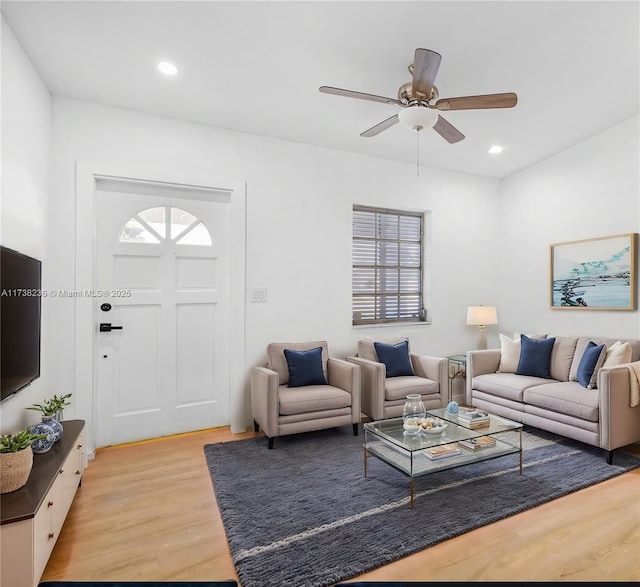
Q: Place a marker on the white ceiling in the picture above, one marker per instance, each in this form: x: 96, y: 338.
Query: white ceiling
x: 257, y: 67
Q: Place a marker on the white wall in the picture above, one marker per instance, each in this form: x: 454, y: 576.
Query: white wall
x: 489, y: 239
x: 24, y: 203
x: 590, y: 190
x: 299, y: 206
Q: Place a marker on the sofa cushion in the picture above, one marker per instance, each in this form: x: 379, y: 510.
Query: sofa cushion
x: 584, y: 341
x: 535, y: 357
x: 399, y: 387
x: 509, y: 354
x: 562, y: 356
x: 395, y: 358
x: 618, y: 353
x: 276, y: 361
x: 590, y: 363
x: 311, y: 398
x: 510, y: 351
x: 305, y: 367
x: 567, y: 397
x: 506, y: 385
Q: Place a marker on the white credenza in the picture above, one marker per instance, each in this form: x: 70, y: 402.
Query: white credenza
x: 32, y: 517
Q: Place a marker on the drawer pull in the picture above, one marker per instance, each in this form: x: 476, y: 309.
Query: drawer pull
x: 60, y: 471
x: 49, y: 504
x: 79, y: 446
x: 77, y: 472
x: 50, y: 535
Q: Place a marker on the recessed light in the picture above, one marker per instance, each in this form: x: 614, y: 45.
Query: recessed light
x: 495, y: 150
x: 167, y: 68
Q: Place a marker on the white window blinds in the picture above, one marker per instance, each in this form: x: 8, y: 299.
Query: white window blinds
x: 387, y: 266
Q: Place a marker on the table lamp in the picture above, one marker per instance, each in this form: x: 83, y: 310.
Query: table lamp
x: 480, y: 316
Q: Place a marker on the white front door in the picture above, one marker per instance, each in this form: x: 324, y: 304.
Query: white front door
x: 162, y: 282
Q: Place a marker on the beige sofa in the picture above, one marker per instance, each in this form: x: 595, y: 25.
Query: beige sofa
x: 602, y: 417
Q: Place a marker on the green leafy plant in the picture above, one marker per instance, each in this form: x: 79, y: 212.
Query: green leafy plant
x: 18, y: 441
x: 51, y: 406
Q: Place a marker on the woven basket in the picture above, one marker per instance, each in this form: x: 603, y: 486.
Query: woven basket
x: 15, y: 468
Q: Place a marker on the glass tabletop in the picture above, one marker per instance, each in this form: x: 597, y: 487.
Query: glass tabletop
x: 392, y: 431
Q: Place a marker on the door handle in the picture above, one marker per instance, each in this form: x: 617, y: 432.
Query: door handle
x: 107, y: 327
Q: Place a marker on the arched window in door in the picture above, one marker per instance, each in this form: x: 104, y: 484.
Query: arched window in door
x: 161, y: 223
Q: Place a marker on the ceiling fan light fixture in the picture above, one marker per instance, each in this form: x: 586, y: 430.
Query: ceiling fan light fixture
x: 417, y: 117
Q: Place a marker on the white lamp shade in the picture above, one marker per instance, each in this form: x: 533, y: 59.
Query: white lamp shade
x: 481, y: 315
x: 417, y: 117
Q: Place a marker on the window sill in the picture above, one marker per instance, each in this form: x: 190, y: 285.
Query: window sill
x: 391, y: 325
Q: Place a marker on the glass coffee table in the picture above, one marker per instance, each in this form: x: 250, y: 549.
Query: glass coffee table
x: 388, y: 441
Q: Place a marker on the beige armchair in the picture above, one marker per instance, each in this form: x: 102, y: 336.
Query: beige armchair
x: 383, y: 396
x: 302, y: 389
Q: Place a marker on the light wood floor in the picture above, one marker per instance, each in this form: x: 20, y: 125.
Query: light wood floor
x: 147, y: 512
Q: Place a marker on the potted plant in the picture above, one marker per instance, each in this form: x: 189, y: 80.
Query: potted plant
x: 50, y: 409
x: 16, y: 459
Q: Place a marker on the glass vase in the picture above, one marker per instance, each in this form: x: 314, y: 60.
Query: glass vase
x: 413, y: 410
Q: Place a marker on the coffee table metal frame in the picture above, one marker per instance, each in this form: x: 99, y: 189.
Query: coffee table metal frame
x: 387, y: 440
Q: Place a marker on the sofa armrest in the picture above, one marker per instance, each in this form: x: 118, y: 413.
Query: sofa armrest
x: 372, y: 376
x: 619, y: 422
x: 264, y: 399
x: 434, y: 368
x: 480, y: 363
x: 346, y: 375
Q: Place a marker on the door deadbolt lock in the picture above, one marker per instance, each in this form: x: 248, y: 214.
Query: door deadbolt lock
x: 105, y: 307
x: 107, y: 327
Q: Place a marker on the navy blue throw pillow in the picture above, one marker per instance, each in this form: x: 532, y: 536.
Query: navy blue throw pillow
x: 587, y: 372
x: 535, y: 357
x: 305, y: 367
x: 395, y: 358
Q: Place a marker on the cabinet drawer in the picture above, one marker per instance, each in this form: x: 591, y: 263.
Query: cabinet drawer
x: 72, y: 471
x: 45, y: 530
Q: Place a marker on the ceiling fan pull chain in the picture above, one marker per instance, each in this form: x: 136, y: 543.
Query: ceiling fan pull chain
x: 418, y: 151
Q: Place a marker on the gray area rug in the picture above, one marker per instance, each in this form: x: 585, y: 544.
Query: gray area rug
x: 303, y: 515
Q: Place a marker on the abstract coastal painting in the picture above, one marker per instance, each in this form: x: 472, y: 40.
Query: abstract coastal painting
x: 594, y: 274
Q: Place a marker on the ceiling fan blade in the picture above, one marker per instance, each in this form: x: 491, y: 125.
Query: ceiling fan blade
x: 447, y: 131
x: 378, y: 128
x: 425, y: 67
x: 508, y: 100
x: 359, y: 95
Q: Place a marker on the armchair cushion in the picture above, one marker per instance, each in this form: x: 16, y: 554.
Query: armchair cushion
x: 276, y: 360
x: 366, y: 350
x: 305, y: 367
x: 399, y: 387
x: 395, y: 357
x: 312, y: 399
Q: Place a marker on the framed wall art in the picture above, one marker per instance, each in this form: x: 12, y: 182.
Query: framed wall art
x: 594, y: 274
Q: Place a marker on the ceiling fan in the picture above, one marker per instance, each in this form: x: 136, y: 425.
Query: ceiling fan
x: 420, y: 101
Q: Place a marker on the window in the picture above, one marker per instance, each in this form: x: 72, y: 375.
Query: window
x: 387, y: 266
x: 154, y: 224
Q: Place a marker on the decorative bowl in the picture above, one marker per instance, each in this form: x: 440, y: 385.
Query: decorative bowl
x: 435, y: 429
x: 411, y: 428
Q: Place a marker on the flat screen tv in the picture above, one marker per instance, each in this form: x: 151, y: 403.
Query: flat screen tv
x: 20, y: 320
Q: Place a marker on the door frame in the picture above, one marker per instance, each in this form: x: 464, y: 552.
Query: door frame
x: 88, y: 174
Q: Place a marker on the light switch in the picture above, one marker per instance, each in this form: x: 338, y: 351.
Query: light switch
x: 259, y: 294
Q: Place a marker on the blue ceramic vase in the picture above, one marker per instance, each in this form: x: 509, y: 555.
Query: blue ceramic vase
x: 57, y: 427
x: 43, y: 444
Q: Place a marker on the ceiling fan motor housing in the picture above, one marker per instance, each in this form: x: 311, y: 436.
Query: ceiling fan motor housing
x: 407, y: 97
